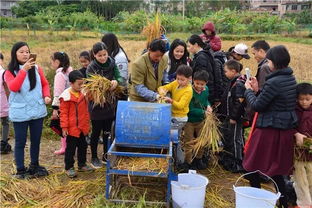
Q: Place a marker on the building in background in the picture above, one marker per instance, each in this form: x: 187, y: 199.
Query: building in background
x: 295, y: 7
x: 5, y: 7
x: 280, y: 7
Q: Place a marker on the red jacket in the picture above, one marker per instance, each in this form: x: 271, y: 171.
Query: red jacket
x: 74, y: 114
x: 214, y: 40
x: 15, y: 82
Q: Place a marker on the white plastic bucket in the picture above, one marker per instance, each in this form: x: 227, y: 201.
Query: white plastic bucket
x: 247, y: 197
x: 189, y: 191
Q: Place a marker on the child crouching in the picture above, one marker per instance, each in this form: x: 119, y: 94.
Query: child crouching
x: 74, y: 119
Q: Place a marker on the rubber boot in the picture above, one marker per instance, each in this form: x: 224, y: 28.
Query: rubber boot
x: 63, y: 147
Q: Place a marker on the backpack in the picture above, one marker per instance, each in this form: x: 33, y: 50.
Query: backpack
x: 220, y: 79
x: 249, y: 112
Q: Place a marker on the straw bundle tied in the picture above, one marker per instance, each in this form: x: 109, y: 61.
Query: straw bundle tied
x: 97, y: 89
x: 152, y: 30
x: 209, y: 136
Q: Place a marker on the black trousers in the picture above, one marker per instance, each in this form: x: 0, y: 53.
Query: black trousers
x: 73, y: 143
x: 97, y: 127
x: 233, y: 143
x: 255, y: 181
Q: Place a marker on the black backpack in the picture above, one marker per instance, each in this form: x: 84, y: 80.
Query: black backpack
x: 221, y: 81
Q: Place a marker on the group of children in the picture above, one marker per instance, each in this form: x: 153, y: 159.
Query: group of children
x: 271, y: 103
x: 194, y: 93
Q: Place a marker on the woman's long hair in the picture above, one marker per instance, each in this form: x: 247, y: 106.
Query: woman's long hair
x: 173, y: 61
x: 113, y: 45
x: 13, y: 66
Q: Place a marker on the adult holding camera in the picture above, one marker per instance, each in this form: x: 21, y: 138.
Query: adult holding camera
x: 29, y: 93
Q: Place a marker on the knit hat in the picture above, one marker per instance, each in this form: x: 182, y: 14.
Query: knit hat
x: 242, y: 50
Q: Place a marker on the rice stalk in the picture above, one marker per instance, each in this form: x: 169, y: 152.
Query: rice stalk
x: 162, y: 94
x: 97, y: 89
x: 49, y: 192
x: 152, y: 29
x: 214, y: 198
x: 159, y: 165
x: 209, y: 136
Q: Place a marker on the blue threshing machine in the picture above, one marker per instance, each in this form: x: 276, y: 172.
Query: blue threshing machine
x: 142, y: 130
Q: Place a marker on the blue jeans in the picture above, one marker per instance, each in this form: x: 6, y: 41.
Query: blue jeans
x: 20, y: 130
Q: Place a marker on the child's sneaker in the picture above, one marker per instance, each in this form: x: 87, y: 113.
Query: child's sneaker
x: 71, y: 173
x: 96, y: 163
x: 85, y: 168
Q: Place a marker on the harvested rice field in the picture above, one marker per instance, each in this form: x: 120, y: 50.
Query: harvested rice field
x: 88, y: 189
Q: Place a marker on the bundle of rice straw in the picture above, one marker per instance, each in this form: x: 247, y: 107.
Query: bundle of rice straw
x: 97, y: 89
x: 152, y: 30
x: 209, y: 136
x: 159, y: 165
x: 307, y: 144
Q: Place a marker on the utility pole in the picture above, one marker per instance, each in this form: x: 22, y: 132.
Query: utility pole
x: 183, y: 9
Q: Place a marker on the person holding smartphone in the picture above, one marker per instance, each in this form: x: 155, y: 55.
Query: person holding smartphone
x: 29, y: 93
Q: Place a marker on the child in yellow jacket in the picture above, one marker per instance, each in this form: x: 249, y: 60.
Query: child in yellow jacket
x: 181, y: 93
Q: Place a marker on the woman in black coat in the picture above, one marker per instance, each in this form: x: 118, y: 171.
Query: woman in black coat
x: 203, y: 60
x: 271, y: 148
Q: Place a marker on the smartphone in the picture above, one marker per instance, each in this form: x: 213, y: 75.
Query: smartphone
x: 33, y: 56
x: 247, y: 70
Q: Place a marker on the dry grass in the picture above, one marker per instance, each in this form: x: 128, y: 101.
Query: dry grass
x: 98, y: 90
x: 301, y: 56
x: 159, y: 165
x: 52, y: 191
x: 152, y: 30
x: 40, y: 192
x: 209, y: 136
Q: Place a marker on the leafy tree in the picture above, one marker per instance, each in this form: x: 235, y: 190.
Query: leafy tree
x: 110, y: 9
x: 30, y: 7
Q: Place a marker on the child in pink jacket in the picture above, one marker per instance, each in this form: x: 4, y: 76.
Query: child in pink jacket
x: 4, y: 111
x: 60, y: 62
